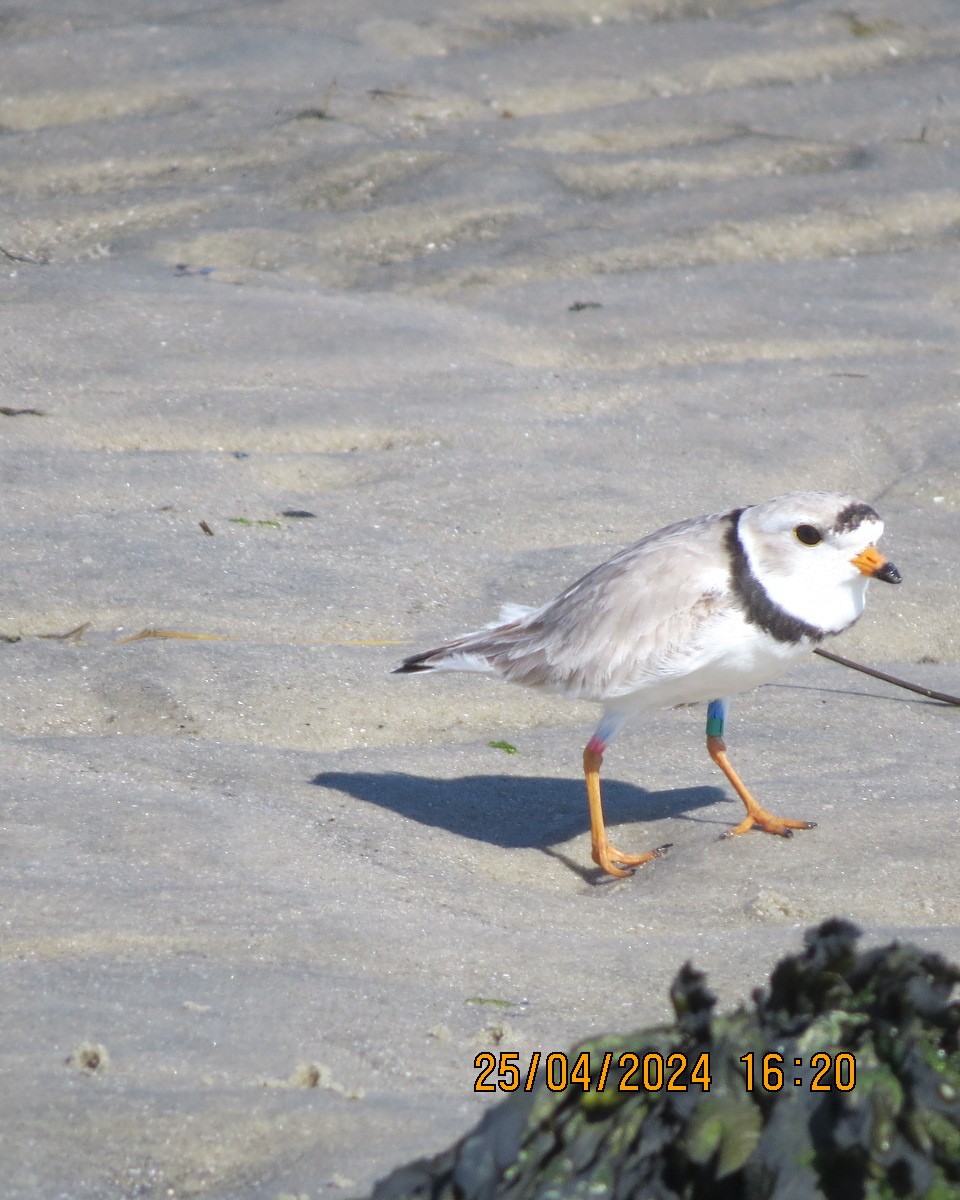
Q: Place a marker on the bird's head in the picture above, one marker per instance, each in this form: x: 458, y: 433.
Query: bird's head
x: 814, y: 553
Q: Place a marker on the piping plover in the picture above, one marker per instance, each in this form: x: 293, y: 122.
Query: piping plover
x: 698, y: 611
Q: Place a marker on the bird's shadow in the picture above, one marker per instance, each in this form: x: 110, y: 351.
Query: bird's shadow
x: 512, y: 811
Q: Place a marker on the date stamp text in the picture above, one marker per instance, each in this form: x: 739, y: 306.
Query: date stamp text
x: 655, y: 1072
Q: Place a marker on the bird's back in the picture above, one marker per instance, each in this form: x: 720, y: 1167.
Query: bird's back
x: 639, y: 617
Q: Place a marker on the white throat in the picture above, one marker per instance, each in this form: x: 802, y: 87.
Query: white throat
x: 822, y: 590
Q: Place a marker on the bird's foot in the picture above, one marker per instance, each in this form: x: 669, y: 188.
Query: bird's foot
x: 761, y: 819
x: 620, y: 865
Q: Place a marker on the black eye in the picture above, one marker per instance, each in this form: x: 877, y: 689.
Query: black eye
x: 808, y: 535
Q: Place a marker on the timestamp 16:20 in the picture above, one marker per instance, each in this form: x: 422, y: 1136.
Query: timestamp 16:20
x: 831, y: 1072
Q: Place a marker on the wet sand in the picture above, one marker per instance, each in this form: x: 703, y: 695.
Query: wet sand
x: 482, y: 292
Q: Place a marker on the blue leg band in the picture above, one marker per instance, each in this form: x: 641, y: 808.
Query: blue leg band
x: 716, y: 716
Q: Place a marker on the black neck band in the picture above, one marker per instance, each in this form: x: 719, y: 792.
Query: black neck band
x: 758, y: 608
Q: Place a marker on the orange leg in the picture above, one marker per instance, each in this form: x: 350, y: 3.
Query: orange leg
x: 756, y: 815
x: 604, y: 855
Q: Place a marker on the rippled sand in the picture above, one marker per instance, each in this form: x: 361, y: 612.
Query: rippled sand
x: 418, y: 310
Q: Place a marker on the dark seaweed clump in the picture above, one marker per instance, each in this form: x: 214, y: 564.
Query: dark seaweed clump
x: 896, y: 1133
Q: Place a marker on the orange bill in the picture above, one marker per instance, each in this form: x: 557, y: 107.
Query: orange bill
x: 871, y: 562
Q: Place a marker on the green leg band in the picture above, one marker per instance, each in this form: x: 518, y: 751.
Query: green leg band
x: 716, y: 716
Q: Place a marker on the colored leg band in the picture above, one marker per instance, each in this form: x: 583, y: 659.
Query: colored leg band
x: 716, y: 715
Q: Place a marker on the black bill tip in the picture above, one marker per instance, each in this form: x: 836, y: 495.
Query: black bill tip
x: 888, y: 573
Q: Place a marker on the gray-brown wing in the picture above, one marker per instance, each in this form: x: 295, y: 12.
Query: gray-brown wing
x: 639, y: 615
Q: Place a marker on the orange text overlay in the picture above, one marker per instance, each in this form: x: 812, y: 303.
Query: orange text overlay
x: 654, y: 1072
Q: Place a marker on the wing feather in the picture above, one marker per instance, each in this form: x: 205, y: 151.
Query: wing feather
x: 645, y: 613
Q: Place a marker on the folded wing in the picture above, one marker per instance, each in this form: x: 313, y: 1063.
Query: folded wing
x: 640, y: 615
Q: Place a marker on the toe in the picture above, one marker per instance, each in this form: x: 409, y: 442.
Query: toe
x: 780, y: 826
x: 618, y: 864
x: 605, y: 859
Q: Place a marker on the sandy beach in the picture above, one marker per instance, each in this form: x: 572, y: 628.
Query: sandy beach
x: 327, y: 329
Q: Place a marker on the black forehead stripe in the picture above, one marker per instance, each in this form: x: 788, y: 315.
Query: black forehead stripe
x: 758, y: 608
x: 850, y: 517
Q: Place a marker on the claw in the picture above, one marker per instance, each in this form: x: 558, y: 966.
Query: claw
x: 756, y: 817
x: 768, y: 823
x: 616, y: 863
x: 607, y: 858
x: 607, y: 864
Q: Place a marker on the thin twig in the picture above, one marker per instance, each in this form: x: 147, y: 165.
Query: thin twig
x: 32, y: 259
x: 169, y: 633
x: 72, y: 635
x: 943, y: 697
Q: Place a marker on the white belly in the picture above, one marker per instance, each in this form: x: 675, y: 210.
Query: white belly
x: 733, y: 657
